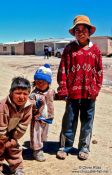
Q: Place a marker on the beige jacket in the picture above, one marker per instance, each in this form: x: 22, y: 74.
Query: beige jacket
x: 46, y: 109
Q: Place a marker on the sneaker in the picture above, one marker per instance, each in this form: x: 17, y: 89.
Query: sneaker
x: 1, y: 169
x: 19, y: 171
x: 83, y: 155
x: 61, y: 154
x: 39, y: 155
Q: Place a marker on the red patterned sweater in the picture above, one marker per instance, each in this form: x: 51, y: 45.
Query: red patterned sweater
x: 80, y: 73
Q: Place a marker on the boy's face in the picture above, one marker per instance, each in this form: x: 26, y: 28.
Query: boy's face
x: 20, y: 96
x: 81, y: 33
x: 41, y: 84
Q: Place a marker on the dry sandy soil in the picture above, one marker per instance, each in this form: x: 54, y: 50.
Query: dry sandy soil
x: 100, y: 159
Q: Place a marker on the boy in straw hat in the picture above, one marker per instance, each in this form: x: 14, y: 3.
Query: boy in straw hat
x: 80, y: 78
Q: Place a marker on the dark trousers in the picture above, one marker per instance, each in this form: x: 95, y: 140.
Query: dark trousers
x: 85, y: 108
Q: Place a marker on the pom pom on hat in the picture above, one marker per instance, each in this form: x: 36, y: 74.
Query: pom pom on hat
x: 47, y: 65
x: 44, y: 73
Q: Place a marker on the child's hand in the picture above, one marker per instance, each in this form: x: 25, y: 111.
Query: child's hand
x: 3, y: 140
x: 11, y: 143
x: 57, y: 97
x: 35, y: 117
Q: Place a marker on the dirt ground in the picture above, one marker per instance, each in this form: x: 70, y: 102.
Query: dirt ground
x: 100, y: 159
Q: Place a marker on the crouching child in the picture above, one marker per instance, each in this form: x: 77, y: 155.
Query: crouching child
x: 15, y: 115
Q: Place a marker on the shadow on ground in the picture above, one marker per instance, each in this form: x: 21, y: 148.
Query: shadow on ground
x: 50, y: 147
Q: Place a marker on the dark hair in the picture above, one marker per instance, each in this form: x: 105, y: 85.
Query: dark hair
x: 87, y: 26
x: 20, y: 83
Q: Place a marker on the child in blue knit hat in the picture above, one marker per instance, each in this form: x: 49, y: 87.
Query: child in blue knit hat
x: 43, y: 110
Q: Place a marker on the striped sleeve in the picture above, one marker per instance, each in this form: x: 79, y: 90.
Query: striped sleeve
x: 3, y: 121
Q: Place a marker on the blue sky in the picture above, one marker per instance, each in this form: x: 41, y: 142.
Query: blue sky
x: 43, y: 19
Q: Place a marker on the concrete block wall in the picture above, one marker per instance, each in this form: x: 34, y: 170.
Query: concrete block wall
x: 39, y: 47
x: 19, y: 49
x: 5, y: 49
x: 102, y: 43
x: 109, y: 47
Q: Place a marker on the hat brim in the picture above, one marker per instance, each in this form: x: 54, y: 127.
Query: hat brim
x: 92, y: 28
x: 41, y: 76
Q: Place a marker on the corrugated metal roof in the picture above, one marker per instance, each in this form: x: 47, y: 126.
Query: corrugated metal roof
x: 108, y: 37
x: 59, y: 40
x: 14, y: 42
x: 17, y: 42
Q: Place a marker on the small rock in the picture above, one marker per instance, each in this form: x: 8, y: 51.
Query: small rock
x: 94, y: 141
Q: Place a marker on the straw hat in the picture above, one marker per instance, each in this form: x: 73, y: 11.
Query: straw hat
x: 81, y: 19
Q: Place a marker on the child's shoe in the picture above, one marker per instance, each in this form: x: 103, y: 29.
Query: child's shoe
x: 61, y: 154
x: 39, y: 155
x: 1, y: 169
x: 1, y: 173
x: 19, y: 171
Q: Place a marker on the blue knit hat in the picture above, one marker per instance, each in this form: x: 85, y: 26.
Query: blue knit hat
x: 44, y: 73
